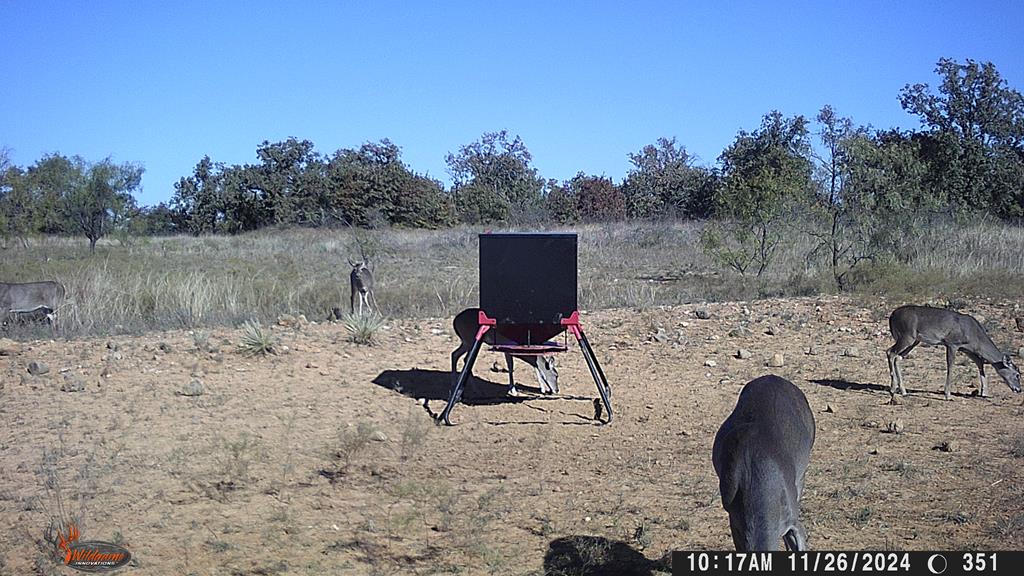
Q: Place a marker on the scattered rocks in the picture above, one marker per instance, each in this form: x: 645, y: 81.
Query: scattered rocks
x: 813, y: 350
x: 660, y: 335
x: 946, y: 446
x: 498, y: 367
x: 286, y: 320
x: 702, y: 313
x: 165, y: 347
x: 1020, y: 324
x: 72, y: 384
x: 710, y: 363
x: 776, y: 361
x: 193, y: 388
x: 851, y: 352
x: 895, y: 427
x: 829, y: 409
x: 895, y: 399
x: 741, y: 332
x: 379, y: 436
x: 113, y: 346
x: 37, y: 368
x: 771, y: 330
x: 744, y: 354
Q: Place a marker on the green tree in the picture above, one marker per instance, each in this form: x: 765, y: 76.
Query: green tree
x: 493, y: 180
x: 371, y: 186
x: 197, y: 198
x: 664, y: 181
x: 765, y: 174
x: 47, y: 183
x: 561, y: 202
x: 242, y: 199
x: 887, y: 191
x: 837, y: 219
x: 290, y: 182
x: 159, y: 220
x: 100, y: 200
x: 16, y: 207
x: 975, y: 135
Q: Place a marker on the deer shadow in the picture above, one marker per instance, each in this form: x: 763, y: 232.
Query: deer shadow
x: 598, y: 556
x: 437, y: 385
x: 847, y: 385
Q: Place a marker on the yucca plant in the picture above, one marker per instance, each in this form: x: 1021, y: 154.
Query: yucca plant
x: 363, y: 327
x: 256, y: 340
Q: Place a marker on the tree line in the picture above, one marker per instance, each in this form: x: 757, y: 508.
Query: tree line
x: 853, y: 188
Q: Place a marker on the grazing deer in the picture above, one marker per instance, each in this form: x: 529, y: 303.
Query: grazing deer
x: 361, y: 282
x: 760, y: 454
x: 30, y: 301
x: 913, y: 325
x: 466, y: 324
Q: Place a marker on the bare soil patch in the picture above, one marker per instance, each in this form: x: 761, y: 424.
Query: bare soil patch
x: 323, y: 459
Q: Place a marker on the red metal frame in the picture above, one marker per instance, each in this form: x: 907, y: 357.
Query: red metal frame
x: 572, y: 324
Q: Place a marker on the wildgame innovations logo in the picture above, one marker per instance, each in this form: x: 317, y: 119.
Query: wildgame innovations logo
x: 90, y: 555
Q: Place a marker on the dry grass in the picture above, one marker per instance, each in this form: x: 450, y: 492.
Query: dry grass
x: 174, y: 282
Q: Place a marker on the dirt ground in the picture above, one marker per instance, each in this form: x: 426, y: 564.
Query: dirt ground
x: 323, y: 459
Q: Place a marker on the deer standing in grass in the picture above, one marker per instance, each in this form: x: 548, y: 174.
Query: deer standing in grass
x: 466, y: 324
x: 913, y: 325
x: 760, y: 454
x: 361, y: 283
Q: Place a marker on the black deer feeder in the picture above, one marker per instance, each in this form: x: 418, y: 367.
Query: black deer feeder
x: 528, y: 297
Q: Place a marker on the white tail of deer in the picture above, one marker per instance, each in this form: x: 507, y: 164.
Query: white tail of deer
x: 466, y: 324
x: 760, y: 454
x: 913, y: 325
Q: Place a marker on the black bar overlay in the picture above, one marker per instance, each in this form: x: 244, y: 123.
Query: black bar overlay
x: 944, y: 563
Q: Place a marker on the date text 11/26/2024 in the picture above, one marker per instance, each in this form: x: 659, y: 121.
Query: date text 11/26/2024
x: 793, y: 563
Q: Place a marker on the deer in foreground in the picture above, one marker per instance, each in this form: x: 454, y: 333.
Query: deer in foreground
x: 760, y: 454
x: 361, y: 283
x: 466, y: 324
x: 913, y: 325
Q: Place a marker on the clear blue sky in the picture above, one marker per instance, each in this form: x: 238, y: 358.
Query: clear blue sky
x: 583, y: 83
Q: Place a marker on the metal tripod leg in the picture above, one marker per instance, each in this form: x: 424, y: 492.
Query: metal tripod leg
x: 467, y: 369
x: 595, y: 370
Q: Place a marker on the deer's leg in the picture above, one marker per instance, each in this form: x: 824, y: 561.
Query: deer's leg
x: 352, y: 301
x: 511, y: 377
x: 950, y: 356
x: 796, y: 538
x: 899, y: 350
x: 982, y: 377
x: 894, y: 381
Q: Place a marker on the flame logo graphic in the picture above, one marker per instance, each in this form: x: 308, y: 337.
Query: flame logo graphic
x: 64, y: 543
